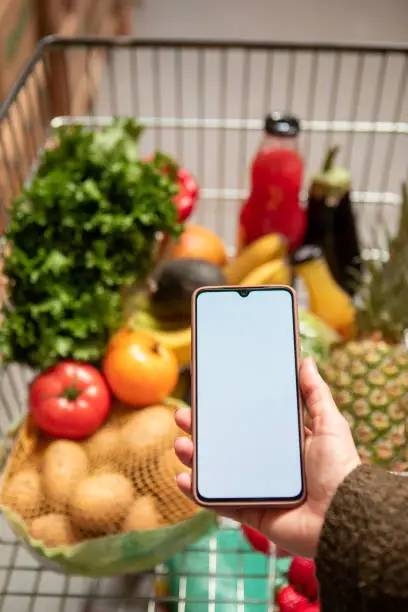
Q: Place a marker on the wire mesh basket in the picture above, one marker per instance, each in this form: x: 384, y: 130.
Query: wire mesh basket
x: 204, y: 103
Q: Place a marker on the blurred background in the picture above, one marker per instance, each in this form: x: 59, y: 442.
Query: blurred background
x: 271, y: 20
x: 23, y: 22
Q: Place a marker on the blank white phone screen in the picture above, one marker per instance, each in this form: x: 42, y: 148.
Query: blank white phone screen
x: 247, y: 418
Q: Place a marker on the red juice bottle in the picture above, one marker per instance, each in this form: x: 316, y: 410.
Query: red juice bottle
x: 274, y: 205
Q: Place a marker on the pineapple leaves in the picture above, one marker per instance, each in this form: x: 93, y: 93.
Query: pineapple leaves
x: 383, y: 297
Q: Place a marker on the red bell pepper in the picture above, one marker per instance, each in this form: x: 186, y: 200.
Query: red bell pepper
x: 188, y: 193
x: 258, y: 541
x: 274, y: 203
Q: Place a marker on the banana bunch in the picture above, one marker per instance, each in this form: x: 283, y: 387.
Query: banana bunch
x: 264, y: 262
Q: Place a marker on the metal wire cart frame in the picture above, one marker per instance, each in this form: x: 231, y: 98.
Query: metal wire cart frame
x: 203, y: 102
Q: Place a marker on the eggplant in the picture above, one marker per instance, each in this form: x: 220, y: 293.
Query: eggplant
x: 331, y: 223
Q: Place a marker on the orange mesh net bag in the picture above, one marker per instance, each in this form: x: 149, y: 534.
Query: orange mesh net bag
x: 106, y: 505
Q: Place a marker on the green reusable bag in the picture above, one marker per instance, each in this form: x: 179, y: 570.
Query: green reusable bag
x: 221, y: 572
x: 116, y: 554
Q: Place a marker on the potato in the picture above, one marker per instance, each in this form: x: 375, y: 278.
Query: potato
x: 53, y: 530
x: 23, y: 493
x: 65, y: 464
x: 103, y: 446
x: 100, y: 503
x: 143, y: 514
x: 147, y: 428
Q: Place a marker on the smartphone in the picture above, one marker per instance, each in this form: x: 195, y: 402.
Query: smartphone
x: 247, y: 412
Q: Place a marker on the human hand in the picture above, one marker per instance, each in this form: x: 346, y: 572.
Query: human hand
x: 330, y: 455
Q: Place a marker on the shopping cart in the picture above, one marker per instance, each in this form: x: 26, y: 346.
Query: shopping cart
x: 203, y: 102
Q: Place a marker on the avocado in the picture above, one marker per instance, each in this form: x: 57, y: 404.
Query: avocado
x: 174, y: 283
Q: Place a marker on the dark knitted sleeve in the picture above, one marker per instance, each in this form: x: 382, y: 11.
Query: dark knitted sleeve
x: 362, y: 556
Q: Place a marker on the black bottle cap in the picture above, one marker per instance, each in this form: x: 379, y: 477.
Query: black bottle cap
x: 280, y: 124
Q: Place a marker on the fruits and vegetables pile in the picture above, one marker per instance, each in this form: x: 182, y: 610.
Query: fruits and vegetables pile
x: 356, y: 316
x: 90, y: 482
x: 165, y: 308
x: 364, y: 302
x: 101, y: 263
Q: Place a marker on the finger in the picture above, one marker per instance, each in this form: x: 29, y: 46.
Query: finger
x: 183, y: 419
x: 184, y: 451
x: 318, y: 398
x: 308, y: 432
x: 184, y: 483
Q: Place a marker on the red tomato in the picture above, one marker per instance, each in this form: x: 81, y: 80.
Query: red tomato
x: 70, y: 400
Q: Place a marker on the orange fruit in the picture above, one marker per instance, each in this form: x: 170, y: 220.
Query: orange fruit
x: 198, y: 242
x: 140, y: 371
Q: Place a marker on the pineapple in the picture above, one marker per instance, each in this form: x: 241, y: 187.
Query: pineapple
x: 368, y: 375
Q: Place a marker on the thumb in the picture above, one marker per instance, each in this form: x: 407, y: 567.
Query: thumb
x: 317, y: 395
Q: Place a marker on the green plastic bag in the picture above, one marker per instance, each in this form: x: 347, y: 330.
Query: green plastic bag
x: 224, y: 571
x: 244, y: 580
x: 116, y: 554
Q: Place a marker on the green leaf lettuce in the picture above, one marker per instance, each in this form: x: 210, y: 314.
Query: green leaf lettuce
x: 80, y: 231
